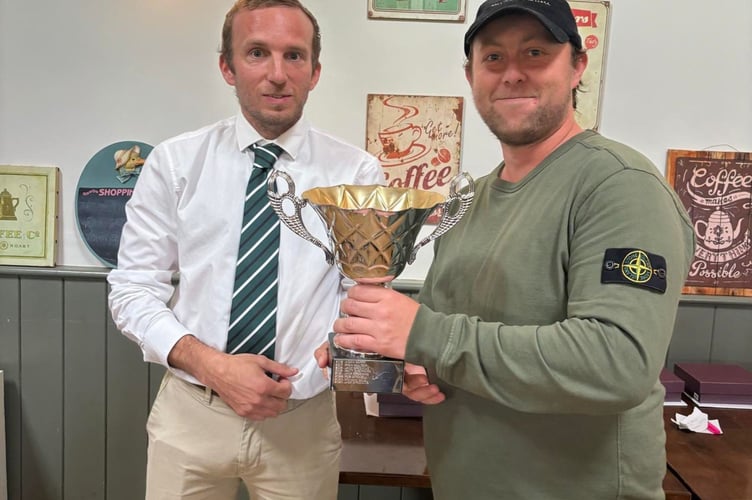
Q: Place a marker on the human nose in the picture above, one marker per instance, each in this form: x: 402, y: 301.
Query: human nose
x: 513, y: 72
x: 277, y: 70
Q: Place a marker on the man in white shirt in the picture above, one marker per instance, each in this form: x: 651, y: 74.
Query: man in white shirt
x: 219, y: 417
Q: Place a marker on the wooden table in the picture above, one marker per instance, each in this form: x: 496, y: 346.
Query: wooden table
x: 386, y: 451
x: 380, y: 451
x: 713, y: 467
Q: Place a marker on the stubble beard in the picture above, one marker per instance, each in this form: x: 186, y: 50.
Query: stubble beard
x: 274, y: 124
x: 536, y: 127
x: 269, y: 123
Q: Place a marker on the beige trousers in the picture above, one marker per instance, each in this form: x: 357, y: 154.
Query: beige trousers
x: 200, y: 449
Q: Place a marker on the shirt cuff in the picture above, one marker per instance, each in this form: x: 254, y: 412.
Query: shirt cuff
x: 162, y: 336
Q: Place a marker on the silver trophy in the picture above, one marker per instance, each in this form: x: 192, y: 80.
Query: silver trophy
x: 372, y: 231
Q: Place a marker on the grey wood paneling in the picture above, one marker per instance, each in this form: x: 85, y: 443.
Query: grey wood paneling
x: 347, y: 492
x: 10, y: 363
x: 368, y: 492
x: 416, y: 494
x: 3, y: 474
x: 42, y: 388
x: 84, y: 400
x: 732, y: 336
x: 692, y: 334
x: 127, y: 409
x: 156, y: 373
x: 77, y: 392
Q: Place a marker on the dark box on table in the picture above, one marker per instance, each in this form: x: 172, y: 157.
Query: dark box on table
x: 397, y: 405
x: 716, y: 383
x: 673, y: 384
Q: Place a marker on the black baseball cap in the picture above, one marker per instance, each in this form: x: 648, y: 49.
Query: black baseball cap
x: 555, y: 15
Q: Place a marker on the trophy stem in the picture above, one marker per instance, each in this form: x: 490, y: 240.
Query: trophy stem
x: 354, y: 353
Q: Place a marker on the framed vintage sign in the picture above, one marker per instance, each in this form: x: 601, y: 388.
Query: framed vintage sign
x: 28, y: 215
x: 716, y: 189
x: 417, y: 139
x: 422, y: 10
x: 592, y: 23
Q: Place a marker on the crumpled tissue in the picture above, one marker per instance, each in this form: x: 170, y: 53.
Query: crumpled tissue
x: 697, y: 421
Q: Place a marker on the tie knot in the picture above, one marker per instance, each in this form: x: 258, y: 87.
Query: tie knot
x: 265, y: 156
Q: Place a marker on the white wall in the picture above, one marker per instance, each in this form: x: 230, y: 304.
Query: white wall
x: 78, y: 75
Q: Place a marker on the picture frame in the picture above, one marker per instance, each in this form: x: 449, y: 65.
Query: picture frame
x: 418, y: 10
x: 28, y: 215
x: 715, y: 187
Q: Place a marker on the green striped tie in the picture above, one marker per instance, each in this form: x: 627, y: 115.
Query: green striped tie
x: 253, y: 317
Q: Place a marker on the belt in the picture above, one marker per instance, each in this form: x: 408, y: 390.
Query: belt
x: 291, y: 403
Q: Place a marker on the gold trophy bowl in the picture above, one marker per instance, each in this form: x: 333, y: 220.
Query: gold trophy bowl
x: 372, y: 231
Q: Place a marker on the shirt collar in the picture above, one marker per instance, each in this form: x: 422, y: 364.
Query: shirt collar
x: 291, y: 140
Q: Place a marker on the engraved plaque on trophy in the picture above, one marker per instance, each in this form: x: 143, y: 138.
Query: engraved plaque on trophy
x: 372, y: 231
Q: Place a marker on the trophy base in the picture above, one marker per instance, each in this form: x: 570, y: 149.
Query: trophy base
x: 354, y: 373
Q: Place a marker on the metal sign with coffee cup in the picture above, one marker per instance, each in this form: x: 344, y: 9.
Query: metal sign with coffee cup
x: 416, y: 139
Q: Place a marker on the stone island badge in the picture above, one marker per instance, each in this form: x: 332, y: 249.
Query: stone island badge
x: 632, y: 266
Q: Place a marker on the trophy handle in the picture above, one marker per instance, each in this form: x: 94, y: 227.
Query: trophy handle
x: 459, y: 200
x: 293, y: 222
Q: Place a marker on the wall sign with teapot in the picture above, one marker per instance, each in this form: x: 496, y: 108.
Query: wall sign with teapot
x: 716, y: 189
x: 28, y: 215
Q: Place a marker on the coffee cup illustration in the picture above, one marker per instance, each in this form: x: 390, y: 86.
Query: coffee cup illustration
x: 8, y: 205
x: 718, y: 231
x: 398, y: 140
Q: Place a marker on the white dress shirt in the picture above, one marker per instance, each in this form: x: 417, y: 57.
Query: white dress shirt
x: 185, y: 217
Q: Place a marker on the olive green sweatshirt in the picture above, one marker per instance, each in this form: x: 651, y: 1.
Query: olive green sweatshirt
x: 545, y: 318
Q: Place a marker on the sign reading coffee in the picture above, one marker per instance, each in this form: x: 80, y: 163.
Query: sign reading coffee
x: 716, y: 189
x: 416, y: 139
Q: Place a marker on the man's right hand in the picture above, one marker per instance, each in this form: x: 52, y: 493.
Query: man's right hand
x: 254, y: 386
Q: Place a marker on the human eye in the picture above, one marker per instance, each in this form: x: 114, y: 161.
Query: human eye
x: 256, y: 53
x: 295, y: 56
x: 535, y: 52
x: 492, y: 57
